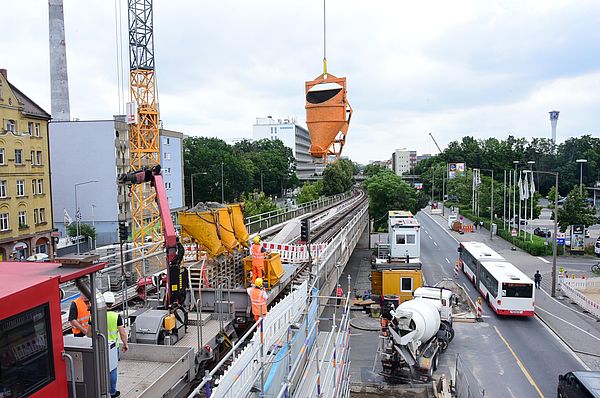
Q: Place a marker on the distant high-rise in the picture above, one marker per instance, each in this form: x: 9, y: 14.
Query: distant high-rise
x: 553, y: 121
x: 59, y: 81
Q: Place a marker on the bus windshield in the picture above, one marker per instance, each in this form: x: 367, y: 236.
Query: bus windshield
x: 517, y: 290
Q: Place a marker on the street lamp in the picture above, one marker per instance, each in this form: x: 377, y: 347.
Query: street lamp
x: 516, y: 163
x: 77, y: 215
x: 554, y: 243
x: 491, y: 204
x: 581, y: 162
x: 192, y: 184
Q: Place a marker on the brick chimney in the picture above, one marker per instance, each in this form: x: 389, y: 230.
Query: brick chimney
x: 4, y: 73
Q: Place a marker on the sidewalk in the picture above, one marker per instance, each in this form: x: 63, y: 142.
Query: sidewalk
x: 578, y: 330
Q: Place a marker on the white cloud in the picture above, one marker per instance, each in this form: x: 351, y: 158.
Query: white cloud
x: 476, y: 67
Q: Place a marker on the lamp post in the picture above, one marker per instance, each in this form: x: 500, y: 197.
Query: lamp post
x: 94, y: 223
x: 222, y: 186
x: 516, y: 163
x: 554, y: 243
x: 491, y: 203
x: 581, y: 162
x: 77, y: 215
x: 192, y: 184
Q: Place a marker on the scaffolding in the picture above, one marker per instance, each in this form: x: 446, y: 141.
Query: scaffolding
x: 286, y: 355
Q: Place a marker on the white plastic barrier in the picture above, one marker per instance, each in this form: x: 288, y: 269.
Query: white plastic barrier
x: 570, y: 288
x: 296, y: 254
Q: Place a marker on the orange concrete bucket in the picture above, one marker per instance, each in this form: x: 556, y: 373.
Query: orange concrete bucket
x: 327, y: 115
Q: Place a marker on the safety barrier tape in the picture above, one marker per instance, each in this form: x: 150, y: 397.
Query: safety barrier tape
x: 295, y: 254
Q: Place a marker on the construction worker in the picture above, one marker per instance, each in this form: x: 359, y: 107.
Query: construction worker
x: 115, y: 330
x: 258, y: 257
x: 258, y: 298
x: 339, y: 293
x: 79, y: 316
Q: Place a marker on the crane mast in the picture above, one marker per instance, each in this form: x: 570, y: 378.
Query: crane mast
x: 144, y: 136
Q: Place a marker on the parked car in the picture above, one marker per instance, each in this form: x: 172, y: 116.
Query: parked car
x: 580, y: 384
x: 543, y: 232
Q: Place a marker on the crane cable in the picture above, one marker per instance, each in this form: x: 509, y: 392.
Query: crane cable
x: 324, y: 40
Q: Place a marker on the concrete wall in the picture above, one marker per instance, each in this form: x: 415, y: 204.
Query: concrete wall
x: 171, y: 144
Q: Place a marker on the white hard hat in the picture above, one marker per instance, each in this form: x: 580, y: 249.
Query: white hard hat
x: 109, y: 297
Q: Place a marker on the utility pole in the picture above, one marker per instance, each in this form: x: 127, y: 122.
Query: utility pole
x: 504, y: 203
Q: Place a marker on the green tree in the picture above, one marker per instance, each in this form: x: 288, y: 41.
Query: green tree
x: 257, y: 203
x: 309, y: 192
x: 576, y: 211
x: 84, y: 230
x: 371, y: 169
x: 338, y: 177
x: 388, y: 191
x: 551, y: 197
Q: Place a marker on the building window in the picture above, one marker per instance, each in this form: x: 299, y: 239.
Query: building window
x: 42, y: 215
x: 35, y: 216
x: 22, y: 219
x: 18, y: 156
x: 37, y: 130
x: 167, y: 185
x: 3, y: 189
x: 2, y: 156
x: 10, y: 126
x: 39, y: 157
x: 20, y: 187
x: 167, y: 141
x: 43, y: 248
x: 30, y: 128
x: 33, y: 186
x: 167, y: 156
x: 32, y: 157
x: 40, y: 184
x: 406, y: 284
x: 1, y: 92
x: 4, y: 222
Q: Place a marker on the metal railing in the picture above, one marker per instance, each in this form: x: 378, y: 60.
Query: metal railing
x: 263, y: 221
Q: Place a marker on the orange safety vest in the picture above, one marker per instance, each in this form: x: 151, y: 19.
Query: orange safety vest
x: 258, y: 298
x: 340, y: 292
x: 257, y: 256
x: 83, y: 315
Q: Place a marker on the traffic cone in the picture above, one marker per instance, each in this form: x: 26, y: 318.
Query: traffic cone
x: 479, y: 316
x: 456, y: 269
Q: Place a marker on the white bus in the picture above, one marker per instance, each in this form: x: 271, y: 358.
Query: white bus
x: 507, y: 290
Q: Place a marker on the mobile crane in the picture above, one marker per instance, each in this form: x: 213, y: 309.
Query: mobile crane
x: 165, y: 324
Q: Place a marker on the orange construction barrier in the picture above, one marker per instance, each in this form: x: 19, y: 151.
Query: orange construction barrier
x: 328, y: 115
x: 468, y: 228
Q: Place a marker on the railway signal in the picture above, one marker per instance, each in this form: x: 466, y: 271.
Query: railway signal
x: 305, y: 230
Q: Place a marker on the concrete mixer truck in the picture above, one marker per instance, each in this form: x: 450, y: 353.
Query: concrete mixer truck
x: 415, y: 333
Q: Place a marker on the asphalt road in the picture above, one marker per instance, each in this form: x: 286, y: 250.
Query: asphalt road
x: 509, y: 356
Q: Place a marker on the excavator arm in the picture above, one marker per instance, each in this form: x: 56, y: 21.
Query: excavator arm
x: 173, y: 248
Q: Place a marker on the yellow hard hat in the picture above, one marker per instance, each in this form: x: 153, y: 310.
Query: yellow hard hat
x: 258, y: 282
x: 256, y: 239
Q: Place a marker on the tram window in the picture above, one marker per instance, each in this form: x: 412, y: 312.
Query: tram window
x: 26, y: 362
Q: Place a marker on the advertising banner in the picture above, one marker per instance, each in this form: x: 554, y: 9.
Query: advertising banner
x: 577, y: 239
x: 456, y: 170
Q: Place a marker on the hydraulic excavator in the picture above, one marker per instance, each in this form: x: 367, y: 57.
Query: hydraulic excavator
x: 166, y: 323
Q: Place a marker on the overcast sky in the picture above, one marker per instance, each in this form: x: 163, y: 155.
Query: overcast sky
x: 481, y: 68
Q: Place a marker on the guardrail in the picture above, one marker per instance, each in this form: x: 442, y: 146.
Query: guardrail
x: 263, y: 221
x: 570, y: 288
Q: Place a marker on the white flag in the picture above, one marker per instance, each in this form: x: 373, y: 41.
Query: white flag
x: 532, y: 186
x: 526, y: 189
x: 520, y: 186
x: 67, y: 219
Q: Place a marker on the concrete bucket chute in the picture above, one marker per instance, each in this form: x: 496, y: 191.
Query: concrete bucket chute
x: 237, y: 220
x: 226, y: 230
x: 328, y: 115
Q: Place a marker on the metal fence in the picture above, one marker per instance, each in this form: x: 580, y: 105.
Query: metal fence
x: 465, y: 384
x: 263, y: 221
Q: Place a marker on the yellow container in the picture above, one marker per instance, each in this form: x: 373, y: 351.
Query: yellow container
x: 398, y: 282
x: 273, y: 269
x: 170, y: 322
x: 202, y: 226
x: 237, y: 220
x: 226, y: 230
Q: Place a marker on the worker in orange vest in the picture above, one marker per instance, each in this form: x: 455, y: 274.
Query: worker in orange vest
x: 339, y: 293
x: 258, y: 258
x: 79, y: 316
x: 258, y: 298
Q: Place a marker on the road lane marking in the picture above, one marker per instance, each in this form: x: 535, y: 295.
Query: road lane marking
x: 523, y: 369
x: 435, y: 243
x: 567, y: 307
x: 443, y: 229
x: 543, y: 259
x: 561, y: 342
x: 430, y: 237
x: 448, y: 261
x: 466, y: 287
x: 568, y: 323
x: 426, y: 231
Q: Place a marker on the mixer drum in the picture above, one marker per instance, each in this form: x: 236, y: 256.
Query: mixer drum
x: 327, y: 115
